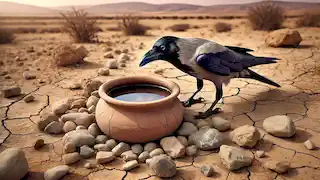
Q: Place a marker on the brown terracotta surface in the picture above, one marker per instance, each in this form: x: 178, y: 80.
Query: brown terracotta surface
x: 139, y: 122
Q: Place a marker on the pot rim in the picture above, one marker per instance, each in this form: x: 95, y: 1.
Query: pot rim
x: 172, y: 86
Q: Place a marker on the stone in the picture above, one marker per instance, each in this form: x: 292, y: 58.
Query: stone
x: 206, y: 139
x: 71, y: 158
x: 309, y: 145
x: 112, y: 64
x: 130, y: 165
x: 128, y: 156
x: 156, y: 152
x: 83, y: 110
x: 123, y: 57
x: 69, y: 126
x: 122, y: 65
x: 137, y: 149
x: 92, y: 101
x: 284, y: 37
x: 67, y: 55
x: 56, y: 173
x: 104, y: 157
x: 74, y: 85
x: 107, y: 49
x: 80, y: 127
x: 260, y: 154
x: 120, y: 148
x: 94, y: 130
x: 150, y: 146
x: 28, y: 98
x: 183, y: 140
x: 103, y: 72
x: 101, y: 147
x: 86, y: 152
x: 83, y: 119
x: 92, y: 109
x: 91, y: 86
x: 159, y: 71
x: 192, y: 150
x: 143, y: 156
x: 125, y: 50
x: 187, y: 129
x: 245, y: 136
x: 108, y: 55
x: 82, y: 52
x: 45, y: 119
x: 38, y: 144
x: 101, y: 139
x: 79, y: 103
x: 95, y: 93
x: 163, y: 166
x: 79, y: 138
x: 235, y: 158
x: 13, y: 164
x: 89, y: 165
x: 69, y: 148
x: 172, y: 146
x: 117, y: 51
x: 27, y: 75
x: 277, y: 166
x: 206, y: 170
x: 54, y: 127
x: 60, y: 107
x: 279, y: 126
x: 202, y: 123
x: 111, y: 143
x: 220, y: 123
x: 11, y: 92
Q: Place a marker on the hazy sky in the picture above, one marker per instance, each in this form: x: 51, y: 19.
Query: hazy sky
x: 92, y: 2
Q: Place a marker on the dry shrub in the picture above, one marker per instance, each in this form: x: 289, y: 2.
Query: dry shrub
x: 6, y: 36
x: 266, y: 16
x: 131, y: 26
x: 179, y: 27
x: 309, y: 20
x: 223, y: 27
x: 79, y: 26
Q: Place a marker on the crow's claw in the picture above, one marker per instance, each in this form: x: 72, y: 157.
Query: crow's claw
x: 204, y: 115
x: 190, y: 102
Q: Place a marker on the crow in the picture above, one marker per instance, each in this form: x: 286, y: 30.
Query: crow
x: 207, y: 60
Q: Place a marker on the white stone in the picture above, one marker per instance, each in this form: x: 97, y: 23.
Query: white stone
x: 245, y: 136
x: 279, y: 125
x: 102, y: 147
x: 143, y: 156
x: 112, y: 64
x: 172, y: 146
x: 206, y: 139
x: 83, y: 119
x: 220, y: 123
x: 71, y: 158
x: 92, y: 101
x: 79, y: 138
x: 120, y: 148
x: 278, y: 166
x: 101, y: 139
x: 130, y: 165
x: 235, y: 158
x: 56, y: 173
x: 94, y: 130
x: 104, y: 157
x: 260, y: 154
x: 156, y: 152
x: 111, y: 143
x: 309, y: 145
x: 103, y: 72
x: 128, y: 156
x: 191, y: 150
x: 13, y: 164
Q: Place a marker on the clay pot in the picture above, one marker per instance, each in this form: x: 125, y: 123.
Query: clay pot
x: 138, y: 122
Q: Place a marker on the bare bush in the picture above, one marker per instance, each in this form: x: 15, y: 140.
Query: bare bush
x: 79, y: 27
x: 179, y: 27
x: 131, y: 26
x: 309, y: 20
x: 223, y: 27
x: 266, y: 16
x: 6, y: 36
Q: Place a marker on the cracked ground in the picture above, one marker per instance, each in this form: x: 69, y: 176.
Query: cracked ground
x: 245, y: 102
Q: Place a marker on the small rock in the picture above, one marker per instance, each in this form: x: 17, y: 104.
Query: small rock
x: 220, y: 123
x: 111, y: 143
x: 107, y: 49
x: 137, y: 149
x: 128, y: 156
x: 143, y: 156
x: 123, y: 58
x: 191, y: 150
x: 206, y: 170
x: 103, y: 72
x: 86, y: 152
x: 13, y: 164
x: 45, y: 119
x: 95, y: 93
x: 112, y: 64
x: 78, y: 103
x: 56, y: 173
x: 163, y: 166
x: 103, y: 157
x: 30, y: 49
x: 69, y: 148
x: 28, y: 75
x: 89, y: 165
x: 156, y: 152
x: 74, y: 86
x: 187, y: 129
x: 101, y: 147
x: 101, y: 139
x: 71, y: 158
x: 8, y: 77
x: 235, y: 158
x: 38, y: 144
x: 117, y: 51
x: 206, y: 139
x: 202, y: 123
x: 183, y: 140
x: 260, y: 154
x: 92, y: 101
x: 284, y: 37
x: 67, y: 55
x: 91, y: 86
x: 11, y: 92
x: 83, y: 110
x: 309, y: 145
x: 28, y: 98
x: 245, y: 136
x: 277, y: 166
x: 150, y: 146
x: 60, y: 107
x: 69, y: 126
x: 159, y: 71
x: 54, y: 127
x: 120, y: 148
x: 80, y: 127
x: 130, y: 165
x: 79, y: 138
x: 83, y: 119
x: 108, y: 55
x: 279, y: 125
x: 125, y: 50
x: 172, y: 146
x: 94, y: 130
x: 122, y: 65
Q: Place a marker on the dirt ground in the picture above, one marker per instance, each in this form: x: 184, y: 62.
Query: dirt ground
x: 245, y: 101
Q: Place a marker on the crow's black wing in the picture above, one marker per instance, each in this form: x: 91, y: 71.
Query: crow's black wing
x: 239, y: 49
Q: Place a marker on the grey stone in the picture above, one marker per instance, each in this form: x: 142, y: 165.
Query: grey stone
x: 92, y: 101
x: 143, y: 156
x: 60, y: 107
x: 172, y: 146
x: 86, y: 152
x: 156, y: 152
x: 94, y: 130
x: 187, y: 129
x: 219, y: 123
x: 104, y: 157
x: 206, y: 170
x: 69, y: 148
x: 137, y: 149
x: 245, y: 136
x: 128, y: 156
x: 163, y: 166
x: 202, y: 123
x: 191, y: 150
x: 54, y: 127
x: 150, y: 146
x: 120, y: 148
x: 71, y: 158
x: 79, y: 138
x: 56, y: 173
x: 206, y: 139
x: 130, y: 165
x: 111, y: 143
x: 101, y: 139
x: 235, y: 158
x: 279, y: 125
x: 13, y: 164
x: 45, y: 119
x: 69, y: 126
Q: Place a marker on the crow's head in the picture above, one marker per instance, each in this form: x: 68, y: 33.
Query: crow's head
x: 165, y: 49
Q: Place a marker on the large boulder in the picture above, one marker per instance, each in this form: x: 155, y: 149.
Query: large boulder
x: 235, y: 158
x: 279, y: 125
x: 206, y: 139
x: 67, y: 55
x: 13, y: 164
x: 284, y: 37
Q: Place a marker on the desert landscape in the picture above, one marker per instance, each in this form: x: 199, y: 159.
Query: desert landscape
x: 50, y: 66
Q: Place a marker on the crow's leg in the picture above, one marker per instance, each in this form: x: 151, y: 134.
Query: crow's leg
x: 192, y: 101
x: 210, y: 112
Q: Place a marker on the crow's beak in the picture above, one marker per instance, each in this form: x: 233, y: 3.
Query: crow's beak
x: 150, y: 56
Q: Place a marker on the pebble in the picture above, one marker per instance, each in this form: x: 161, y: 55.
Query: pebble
x: 156, y: 152
x: 60, y: 107
x: 38, y: 144
x: 28, y: 75
x: 56, y: 173
x: 91, y: 86
x: 13, y: 164
x: 277, y: 166
x: 137, y: 149
x: 69, y: 126
x: 80, y: 127
x: 95, y: 93
x: 101, y: 147
x: 45, y: 119
x: 172, y: 146
x: 191, y: 150
x: 183, y: 140
x: 89, y: 165
x: 28, y: 98
x: 94, y: 130
x: 260, y: 154
x: 92, y: 101
x: 143, y: 156
x: 86, y: 152
x: 159, y: 71
x: 245, y: 136
x: 11, y: 92
x: 108, y: 55
x: 125, y: 50
x: 71, y: 158
x: 206, y: 139
x: 120, y: 148
x: 130, y: 165
x: 69, y: 148
x: 279, y: 126
x: 150, y: 146
x: 112, y: 64
x: 128, y: 156
x: 122, y: 65
x: 83, y: 119
x: 74, y: 86
x: 101, y: 139
x: 309, y: 145
x: 54, y: 127
x: 235, y: 158
x: 163, y: 166
x: 117, y: 51
x: 83, y: 110
x: 111, y: 143
x: 202, y: 123
x: 206, y: 170
x: 123, y: 57
x: 103, y: 157
x: 78, y: 104
x: 220, y: 123
x: 103, y: 72
x: 187, y: 129
x: 79, y: 138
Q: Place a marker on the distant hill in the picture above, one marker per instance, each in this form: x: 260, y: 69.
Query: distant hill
x: 8, y: 8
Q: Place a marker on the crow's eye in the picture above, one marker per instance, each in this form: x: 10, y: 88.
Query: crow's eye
x: 162, y: 47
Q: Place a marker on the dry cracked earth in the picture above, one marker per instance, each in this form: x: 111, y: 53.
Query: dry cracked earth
x: 245, y: 102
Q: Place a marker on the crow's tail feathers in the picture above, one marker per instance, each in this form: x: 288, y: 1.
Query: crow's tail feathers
x: 258, y: 77
x: 266, y: 60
